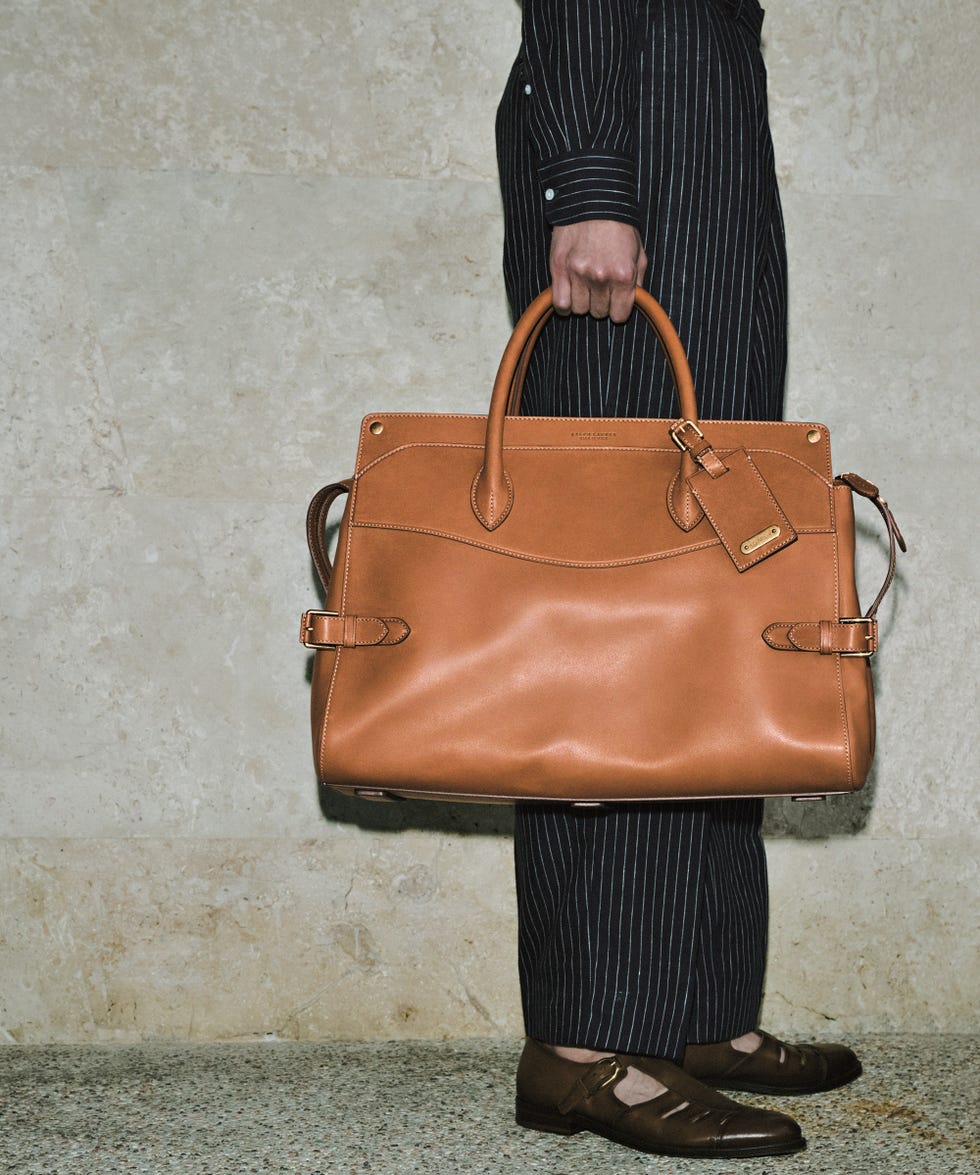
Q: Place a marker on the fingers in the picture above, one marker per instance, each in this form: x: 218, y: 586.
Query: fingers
x: 595, y: 267
x: 561, y: 291
x: 622, y: 294
x: 591, y: 293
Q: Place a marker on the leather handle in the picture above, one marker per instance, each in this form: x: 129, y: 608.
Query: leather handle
x: 316, y: 523
x: 492, y: 494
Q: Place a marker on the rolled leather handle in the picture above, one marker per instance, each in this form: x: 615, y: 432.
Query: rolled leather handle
x: 492, y: 493
x: 316, y: 522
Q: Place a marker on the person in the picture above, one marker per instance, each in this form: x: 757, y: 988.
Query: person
x: 633, y: 147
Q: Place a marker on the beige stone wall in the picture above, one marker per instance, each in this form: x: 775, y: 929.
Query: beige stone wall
x: 229, y: 230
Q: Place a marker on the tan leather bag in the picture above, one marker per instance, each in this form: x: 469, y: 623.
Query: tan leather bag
x: 591, y: 610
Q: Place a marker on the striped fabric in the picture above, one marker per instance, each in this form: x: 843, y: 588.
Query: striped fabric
x: 644, y: 927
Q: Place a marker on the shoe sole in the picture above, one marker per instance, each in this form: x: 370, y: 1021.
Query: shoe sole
x: 533, y: 1117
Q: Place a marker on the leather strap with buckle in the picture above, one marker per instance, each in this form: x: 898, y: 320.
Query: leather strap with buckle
x: 689, y: 438
x: 604, y: 1072
x: 329, y: 630
x: 850, y: 636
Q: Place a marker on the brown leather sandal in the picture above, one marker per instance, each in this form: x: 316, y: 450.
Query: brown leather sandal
x: 774, y: 1067
x: 688, y: 1119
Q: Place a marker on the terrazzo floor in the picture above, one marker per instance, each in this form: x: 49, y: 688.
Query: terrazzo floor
x: 447, y: 1107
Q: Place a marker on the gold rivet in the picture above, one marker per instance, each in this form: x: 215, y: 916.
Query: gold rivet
x: 813, y: 436
x: 376, y: 427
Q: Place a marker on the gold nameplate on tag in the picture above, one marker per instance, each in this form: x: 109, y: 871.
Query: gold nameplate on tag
x: 760, y: 539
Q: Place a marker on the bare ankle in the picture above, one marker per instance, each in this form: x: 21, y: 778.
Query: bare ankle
x: 635, y: 1086
x: 747, y: 1043
x: 580, y: 1055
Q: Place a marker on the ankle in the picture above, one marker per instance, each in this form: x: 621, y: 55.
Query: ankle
x: 747, y: 1043
x: 634, y: 1087
x: 582, y: 1056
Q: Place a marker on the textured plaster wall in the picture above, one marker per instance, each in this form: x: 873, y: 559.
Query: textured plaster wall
x: 229, y: 229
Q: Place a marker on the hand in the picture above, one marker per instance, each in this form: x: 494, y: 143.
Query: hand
x: 595, y: 268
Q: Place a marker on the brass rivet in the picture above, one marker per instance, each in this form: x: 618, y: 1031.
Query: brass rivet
x: 813, y: 436
x: 377, y: 428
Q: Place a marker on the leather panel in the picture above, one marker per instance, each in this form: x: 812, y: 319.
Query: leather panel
x: 569, y: 489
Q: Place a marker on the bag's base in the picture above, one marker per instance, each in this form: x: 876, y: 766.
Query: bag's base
x: 386, y: 796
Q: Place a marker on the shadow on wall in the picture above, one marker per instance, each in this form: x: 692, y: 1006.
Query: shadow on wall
x: 844, y: 815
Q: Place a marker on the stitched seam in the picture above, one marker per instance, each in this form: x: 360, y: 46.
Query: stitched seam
x: 771, y: 640
x: 555, y: 448
x: 400, y: 633
x: 844, y: 727
x: 473, y: 446
x: 789, y: 457
x: 473, y: 502
x: 685, y: 524
x: 527, y: 558
x: 795, y: 625
x: 839, y: 665
x: 367, y: 621
x: 476, y: 509
x: 802, y: 648
x: 326, y: 709
x: 625, y: 421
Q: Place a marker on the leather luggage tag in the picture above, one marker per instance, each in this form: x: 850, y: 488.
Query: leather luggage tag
x: 743, y: 511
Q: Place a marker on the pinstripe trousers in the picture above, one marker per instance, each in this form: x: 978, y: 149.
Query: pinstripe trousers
x: 643, y: 927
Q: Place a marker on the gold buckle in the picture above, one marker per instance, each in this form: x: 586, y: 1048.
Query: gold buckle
x: 680, y: 427
x: 872, y: 635
x: 306, y: 627
x: 615, y: 1069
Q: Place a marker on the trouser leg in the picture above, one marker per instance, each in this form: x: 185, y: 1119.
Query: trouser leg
x: 616, y: 909
x: 732, y: 926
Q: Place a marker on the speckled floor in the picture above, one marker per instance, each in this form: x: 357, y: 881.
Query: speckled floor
x: 309, y: 1109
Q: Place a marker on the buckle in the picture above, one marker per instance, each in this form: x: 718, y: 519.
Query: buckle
x: 676, y: 431
x: 615, y: 1069
x: 306, y: 629
x: 872, y: 634
x: 604, y: 1072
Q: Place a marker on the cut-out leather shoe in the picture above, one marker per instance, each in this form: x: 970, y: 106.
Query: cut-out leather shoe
x: 688, y: 1119
x: 774, y: 1067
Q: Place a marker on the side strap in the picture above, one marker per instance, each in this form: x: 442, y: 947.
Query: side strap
x: 870, y: 491
x: 855, y: 636
x: 316, y: 522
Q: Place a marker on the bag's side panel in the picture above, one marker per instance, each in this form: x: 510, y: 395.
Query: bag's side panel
x: 856, y: 674
x: 324, y: 660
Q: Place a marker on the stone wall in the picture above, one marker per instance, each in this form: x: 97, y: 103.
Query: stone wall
x: 231, y: 229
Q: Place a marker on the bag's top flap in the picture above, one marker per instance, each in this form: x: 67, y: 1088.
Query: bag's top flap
x: 585, y: 490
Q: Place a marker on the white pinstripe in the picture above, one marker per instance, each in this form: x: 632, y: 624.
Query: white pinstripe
x: 644, y: 926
